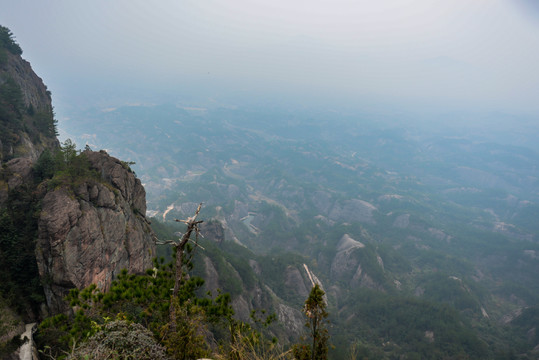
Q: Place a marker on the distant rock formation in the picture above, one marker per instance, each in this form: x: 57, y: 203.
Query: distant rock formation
x: 347, y: 266
x: 353, y: 210
x: 89, y: 235
x: 346, y: 262
x: 214, y: 231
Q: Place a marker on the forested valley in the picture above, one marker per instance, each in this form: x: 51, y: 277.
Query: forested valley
x: 263, y: 233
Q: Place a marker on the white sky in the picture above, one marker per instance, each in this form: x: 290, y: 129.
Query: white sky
x: 459, y: 53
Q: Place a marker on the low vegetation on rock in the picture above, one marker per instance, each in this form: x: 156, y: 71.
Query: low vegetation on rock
x: 120, y: 339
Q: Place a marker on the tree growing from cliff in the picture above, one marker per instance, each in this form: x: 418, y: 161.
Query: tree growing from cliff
x: 7, y: 44
x: 64, y: 166
x: 7, y: 41
x: 184, y: 335
x: 180, y: 248
x: 315, y: 311
x: 192, y: 226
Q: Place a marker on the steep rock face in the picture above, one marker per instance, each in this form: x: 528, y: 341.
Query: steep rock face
x: 291, y: 318
x: 89, y: 233
x: 295, y: 282
x: 259, y: 296
x: 13, y: 174
x: 33, y: 89
x: 213, y: 230
x: 211, y: 276
x: 11, y: 324
x: 347, y: 264
x: 28, y: 139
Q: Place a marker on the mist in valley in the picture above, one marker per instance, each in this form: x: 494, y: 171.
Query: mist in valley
x: 389, y: 147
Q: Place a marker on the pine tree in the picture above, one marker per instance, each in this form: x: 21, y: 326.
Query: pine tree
x: 315, y: 311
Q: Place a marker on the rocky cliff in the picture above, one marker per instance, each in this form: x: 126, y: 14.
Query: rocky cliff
x: 71, y: 226
x: 27, y: 124
x: 233, y: 268
x: 89, y: 232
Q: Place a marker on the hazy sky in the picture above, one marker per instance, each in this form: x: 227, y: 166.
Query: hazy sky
x: 459, y: 53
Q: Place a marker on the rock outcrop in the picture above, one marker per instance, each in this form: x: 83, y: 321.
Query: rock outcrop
x: 346, y: 261
x: 256, y: 295
x: 88, y: 227
x: 353, y: 210
x: 90, y: 232
x: 33, y: 89
x: 25, y: 137
x: 347, y: 264
x: 295, y: 282
x: 213, y: 230
x: 13, y: 174
x: 11, y: 323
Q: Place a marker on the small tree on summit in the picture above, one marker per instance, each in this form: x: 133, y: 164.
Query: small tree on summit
x: 315, y: 310
x: 7, y: 41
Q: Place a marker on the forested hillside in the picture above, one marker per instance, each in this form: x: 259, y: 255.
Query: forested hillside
x: 422, y: 238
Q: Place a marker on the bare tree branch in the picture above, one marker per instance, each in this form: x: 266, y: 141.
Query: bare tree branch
x: 192, y: 225
x: 166, y: 242
x: 179, y: 245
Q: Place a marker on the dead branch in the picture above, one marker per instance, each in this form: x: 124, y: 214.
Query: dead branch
x: 192, y: 225
x: 166, y: 242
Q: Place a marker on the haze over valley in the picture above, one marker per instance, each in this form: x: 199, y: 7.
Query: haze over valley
x: 367, y: 202
x: 386, y: 152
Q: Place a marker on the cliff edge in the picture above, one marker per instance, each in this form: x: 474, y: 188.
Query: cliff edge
x: 89, y: 232
x: 27, y: 124
x: 67, y: 219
